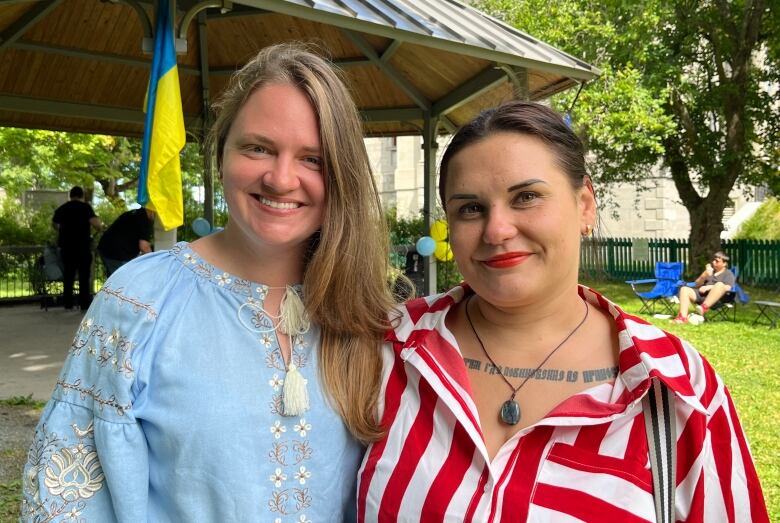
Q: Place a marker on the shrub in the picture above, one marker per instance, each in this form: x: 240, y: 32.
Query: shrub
x: 764, y: 224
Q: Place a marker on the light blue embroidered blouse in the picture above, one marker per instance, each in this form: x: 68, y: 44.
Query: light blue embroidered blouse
x: 168, y: 409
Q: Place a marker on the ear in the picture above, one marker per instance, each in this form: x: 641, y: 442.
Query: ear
x: 587, y: 203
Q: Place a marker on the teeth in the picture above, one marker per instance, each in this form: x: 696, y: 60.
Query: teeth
x: 278, y: 205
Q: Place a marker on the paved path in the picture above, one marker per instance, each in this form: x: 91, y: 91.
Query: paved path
x: 33, y: 346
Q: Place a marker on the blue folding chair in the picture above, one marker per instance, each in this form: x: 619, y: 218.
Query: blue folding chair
x: 667, y: 280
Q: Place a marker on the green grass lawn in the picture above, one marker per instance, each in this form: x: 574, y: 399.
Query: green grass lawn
x: 748, y: 360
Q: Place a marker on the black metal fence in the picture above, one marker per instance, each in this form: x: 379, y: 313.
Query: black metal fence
x: 23, y: 275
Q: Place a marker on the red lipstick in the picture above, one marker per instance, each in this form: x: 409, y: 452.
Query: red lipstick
x: 507, y: 259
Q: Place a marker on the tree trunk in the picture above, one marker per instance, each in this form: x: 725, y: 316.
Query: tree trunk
x: 706, y: 226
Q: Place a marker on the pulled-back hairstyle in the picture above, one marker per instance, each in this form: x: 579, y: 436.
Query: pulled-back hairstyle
x: 345, y: 279
x: 528, y: 118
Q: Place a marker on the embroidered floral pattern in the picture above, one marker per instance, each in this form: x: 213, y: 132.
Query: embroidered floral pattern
x: 276, y: 383
x: 302, y: 428
x: 277, y: 477
x: 118, y: 294
x: 72, y: 476
x: 277, y: 429
x: 96, y: 395
x: 109, y: 349
x: 223, y: 279
x: 288, y: 457
x: 70, y: 473
x: 302, y: 475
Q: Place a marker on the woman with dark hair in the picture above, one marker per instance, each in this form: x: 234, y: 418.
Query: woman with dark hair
x: 520, y: 395
x: 232, y: 379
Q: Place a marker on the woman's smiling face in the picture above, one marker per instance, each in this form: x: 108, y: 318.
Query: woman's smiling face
x: 272, y: 169
x: 515, y: 219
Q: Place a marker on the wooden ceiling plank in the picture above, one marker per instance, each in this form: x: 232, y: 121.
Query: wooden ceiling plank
x: 387, y: 69
x: 27, y: 20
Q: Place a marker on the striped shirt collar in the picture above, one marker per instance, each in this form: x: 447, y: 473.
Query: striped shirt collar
x: 646, y: 352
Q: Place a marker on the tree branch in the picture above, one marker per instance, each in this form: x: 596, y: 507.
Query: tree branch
x: 689, y: 126
x: 678, y: 168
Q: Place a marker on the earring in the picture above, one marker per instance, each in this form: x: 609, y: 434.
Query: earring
x: 588, y: 230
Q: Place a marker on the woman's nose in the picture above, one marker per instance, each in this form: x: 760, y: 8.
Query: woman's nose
x: 281, y: 176
x: 498, y: 227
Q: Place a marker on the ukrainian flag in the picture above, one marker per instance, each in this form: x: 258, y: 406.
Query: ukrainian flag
x: 159, y: 184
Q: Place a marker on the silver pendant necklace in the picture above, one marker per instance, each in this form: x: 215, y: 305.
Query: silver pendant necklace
x: 510, y: 410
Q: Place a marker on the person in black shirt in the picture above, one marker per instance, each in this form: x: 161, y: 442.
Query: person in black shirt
x: 128, y: 236
x: 73, y: 220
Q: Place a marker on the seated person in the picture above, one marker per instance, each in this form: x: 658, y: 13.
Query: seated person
x: 711, y: 286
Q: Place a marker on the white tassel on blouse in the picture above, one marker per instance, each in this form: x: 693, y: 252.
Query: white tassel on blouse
x: 295, y: 397
x: 294, y: 320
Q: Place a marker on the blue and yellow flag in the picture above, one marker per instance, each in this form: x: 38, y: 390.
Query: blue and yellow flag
x: 159, y: 184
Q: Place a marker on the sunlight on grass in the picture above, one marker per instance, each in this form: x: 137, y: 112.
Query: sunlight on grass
x: 748, y: 360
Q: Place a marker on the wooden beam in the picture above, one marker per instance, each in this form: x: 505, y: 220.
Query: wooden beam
x: 405, y: 85
x: 408, y: 114
x: 391, y: 50
x: 14, y: 31
x: 470, y: 89
x: 111, y: 58
x: 21, y: 104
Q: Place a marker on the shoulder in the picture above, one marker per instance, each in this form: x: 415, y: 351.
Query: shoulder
x: 422, y: 314
x: 647, y: 351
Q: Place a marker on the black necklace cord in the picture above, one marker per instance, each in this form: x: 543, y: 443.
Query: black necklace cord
x: 482, y: 345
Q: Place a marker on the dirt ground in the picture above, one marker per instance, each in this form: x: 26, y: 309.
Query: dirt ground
x: 17, y: 424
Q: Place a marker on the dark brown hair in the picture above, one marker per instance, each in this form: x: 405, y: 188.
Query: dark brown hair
x: 528, y: 118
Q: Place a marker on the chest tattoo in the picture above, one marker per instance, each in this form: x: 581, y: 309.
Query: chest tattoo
x: 544, y: 374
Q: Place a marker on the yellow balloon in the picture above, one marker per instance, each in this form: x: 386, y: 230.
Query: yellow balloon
x: 439, y: 230
x: 443, y: 251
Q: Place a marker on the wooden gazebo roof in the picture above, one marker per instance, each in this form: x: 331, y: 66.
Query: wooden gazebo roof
x: 78, y: 65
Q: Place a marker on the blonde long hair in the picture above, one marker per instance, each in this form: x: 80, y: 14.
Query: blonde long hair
x: 345, y: 278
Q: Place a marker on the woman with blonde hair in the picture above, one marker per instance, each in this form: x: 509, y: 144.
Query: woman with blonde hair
x: 523, y: 396
x: 233, y: 378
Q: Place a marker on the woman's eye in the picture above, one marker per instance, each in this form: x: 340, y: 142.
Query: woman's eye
x: 314, y: 161
x: 470, y: 209
x: 256, y: 149
x: 526, y: 197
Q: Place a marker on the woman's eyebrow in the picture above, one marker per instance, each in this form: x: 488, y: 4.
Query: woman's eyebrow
x: 524, y: 184
x: 462, y: 197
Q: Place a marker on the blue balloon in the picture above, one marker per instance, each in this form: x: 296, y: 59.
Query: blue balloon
x: 201, y: 226
x: 567, y: 119
x: 425, y: 246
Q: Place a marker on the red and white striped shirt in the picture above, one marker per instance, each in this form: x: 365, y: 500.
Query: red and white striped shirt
x: 587, y: 460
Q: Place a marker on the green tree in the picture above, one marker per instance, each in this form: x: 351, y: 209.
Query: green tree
x: 686, y: 83
x: 37, y: 159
